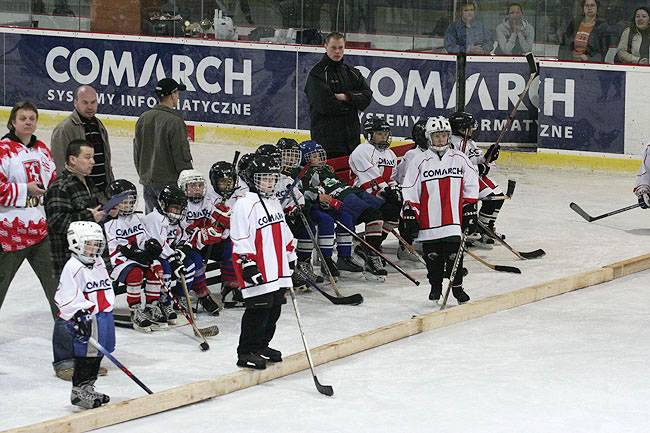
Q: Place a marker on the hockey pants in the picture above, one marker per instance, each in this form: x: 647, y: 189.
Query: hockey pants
x: 259, y: 320
x: 439, y: 256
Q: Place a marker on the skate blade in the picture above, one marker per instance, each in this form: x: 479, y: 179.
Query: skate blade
x: 372, y: 277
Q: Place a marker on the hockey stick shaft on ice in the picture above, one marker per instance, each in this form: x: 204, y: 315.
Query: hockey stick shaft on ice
x: 409, y: 247
x: 454, y: 269
x: 323, y: 389
x: 374, y: 250
x: 590, y: 218
x: 119, y: 365
x: 498, y: 268
x: 521, y: 254
x: 355, y: 299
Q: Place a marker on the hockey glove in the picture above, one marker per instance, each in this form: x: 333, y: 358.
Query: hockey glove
x: 392, y: 194
x: 221, y: 216
x: 643, y: 193
x: 136, y: 254
x: 311, y: 195
x: 182, y: 252
x: 492, y: 154
x: 470, y: 218
x: 83, y: 324
x: 209, y: 236
x: 177, y: 266
x: 483, y: 169
x: 409, y: 224
x: 153, y: 248
x: 250, y: 272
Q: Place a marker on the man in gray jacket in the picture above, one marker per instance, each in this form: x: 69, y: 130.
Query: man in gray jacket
x: 82, y: 124
x: 160, y: 148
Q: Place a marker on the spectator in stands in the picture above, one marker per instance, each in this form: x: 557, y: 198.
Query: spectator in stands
x: 634, y: 45
x: 336, y: 93
x: 82, y: 124
x: 72, y: 197
x: 160, y: 147
x: 586, y: 39
x: 26, y: 170
x: 467, y: 34
x: 515, y: 35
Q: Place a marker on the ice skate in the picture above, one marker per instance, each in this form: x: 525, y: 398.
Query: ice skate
x: 81, y: 397
x: 307, y: 271
x: 374, y: 269
x: 170, y: 314
x: 210, y: 304
x: 404, y: 254
x: 460, y: 295
x: 139, y: 320
x: 271, y: 355
x: 332, y: 268
x: 251, y: 360
x: 348, y: 264
x: 155, y: 316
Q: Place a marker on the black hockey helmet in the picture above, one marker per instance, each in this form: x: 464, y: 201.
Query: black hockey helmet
x: 419, y: 134
x: 290, y: 151
x: 172, y: 196
x: 119, y: 186
x: 270, y: 150
x: 244, y: 160
x: 462, y: 121
x: 262, y: 175
x: 376, y: 124
x: 222, y: 178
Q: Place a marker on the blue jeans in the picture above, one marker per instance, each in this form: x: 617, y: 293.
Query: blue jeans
x: 62, y: 346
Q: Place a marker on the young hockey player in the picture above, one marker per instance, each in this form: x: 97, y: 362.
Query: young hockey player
x: 642, y: 187
x: 85, y: 298
x: 374, y: 167
x: 201, y: 234
x: 135, y: 259
x: 264, y: 258
x: 223, y: 179
x: 323, y: 187
x: 463, y: 126
x: 440, y: 191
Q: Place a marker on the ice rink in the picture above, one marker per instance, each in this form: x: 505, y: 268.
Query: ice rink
x: 571, y: 363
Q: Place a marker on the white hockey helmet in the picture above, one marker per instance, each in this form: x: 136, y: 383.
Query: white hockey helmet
x: 193, y: 184
x: 86, y: 241
x: 435, y: 125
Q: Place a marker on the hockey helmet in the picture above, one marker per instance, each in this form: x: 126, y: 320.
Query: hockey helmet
x: 262, y: 175
x: 86, y: 241
x: 270, y: 150
x: 375, y: 125
x: 290, y: 151
x: 312, y: 153
x: 244, y: 160
x: 119, y: 186
x: 172, y: 202
x: 192, y: 183
x: 463, y: 123
x: 222, y: 178
x: 434, y: 126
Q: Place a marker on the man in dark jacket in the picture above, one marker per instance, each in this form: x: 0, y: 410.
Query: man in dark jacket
x: 160, y: 148
x: 336, y: 93
x: 72, y: 197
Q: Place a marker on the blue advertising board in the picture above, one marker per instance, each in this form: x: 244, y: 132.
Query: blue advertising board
x: 582, y: 109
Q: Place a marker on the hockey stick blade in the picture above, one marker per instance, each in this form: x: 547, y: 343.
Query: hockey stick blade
x: 532, y: 64
x: 355, y: 299
x: 510, y: 190
x: 521, y: 254
x: 510, y: 269
x: 323, y: 389
x: 577, y: 209
x: 532, y: 254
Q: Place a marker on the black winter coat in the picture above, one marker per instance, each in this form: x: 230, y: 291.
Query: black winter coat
x: 335, y: 124
x: 597, y: 44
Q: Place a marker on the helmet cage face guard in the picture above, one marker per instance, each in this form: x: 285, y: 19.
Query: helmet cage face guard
x: 290, y: 157
x: 225, y: 186
x: 174, y: 217
x: 127, y: 206
x: 194, y: 189
x: 266, y: 183
x: 380, y: 145
x: 86, y: 246
x: 317, y: 157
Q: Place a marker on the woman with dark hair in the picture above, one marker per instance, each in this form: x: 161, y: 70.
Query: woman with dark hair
x: 26, y: 170
x: 634, y: 45
x: 586, y: 39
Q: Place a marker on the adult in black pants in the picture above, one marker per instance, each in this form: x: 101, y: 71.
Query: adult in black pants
x: 336, y: 93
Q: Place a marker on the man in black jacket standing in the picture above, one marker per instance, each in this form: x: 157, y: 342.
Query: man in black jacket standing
x: 336, y: 93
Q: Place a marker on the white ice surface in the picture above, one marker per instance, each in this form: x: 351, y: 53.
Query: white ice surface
x: 572, y: 363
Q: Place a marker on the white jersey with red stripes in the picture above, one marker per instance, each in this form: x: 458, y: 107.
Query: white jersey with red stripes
x: 282, y: 188
x: 259, y: 232
x: 199, y: 216
x: 22, y: 218
x: 125, y: 230
x: 437, y: 187
x: 83, y: 287
x: 167, y: 234
x: 373, y: 169
x: 486, y: 185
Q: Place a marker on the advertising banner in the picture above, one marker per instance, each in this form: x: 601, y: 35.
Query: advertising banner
x: 582, y: 109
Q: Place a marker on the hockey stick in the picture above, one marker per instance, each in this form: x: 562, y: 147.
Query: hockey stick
x: 510, y: 190
x: 323, y: 389
x: 534, y: 72
x: 454, y: 269
x: 371, y: 248
x: 498, y: 268
x: 318, y: 250
x: 406, y: 245
x: 355, y: 299
x: 521, y: 254
x: 590, y: 218
x: 286, y: 196
x: 119, y: 365
x: 209, y: 331
x: 213, y: 330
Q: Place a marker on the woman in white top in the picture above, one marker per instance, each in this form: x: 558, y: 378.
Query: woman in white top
x: 634, y: 45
